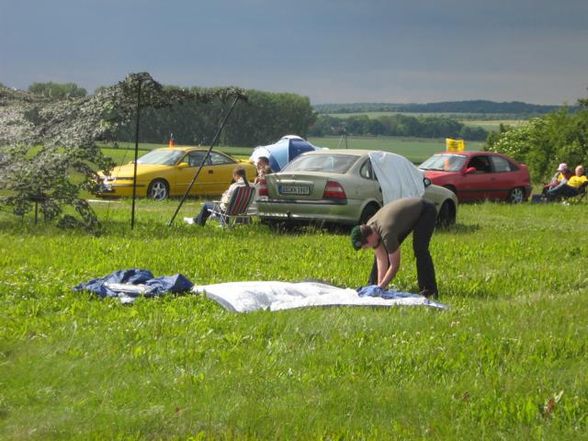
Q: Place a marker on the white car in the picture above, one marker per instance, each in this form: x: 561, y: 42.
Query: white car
x: 342, y: 187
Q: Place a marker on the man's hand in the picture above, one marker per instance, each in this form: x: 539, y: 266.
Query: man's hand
x: 388, y: 265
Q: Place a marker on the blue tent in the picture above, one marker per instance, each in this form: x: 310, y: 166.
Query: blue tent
x: 283, y: 151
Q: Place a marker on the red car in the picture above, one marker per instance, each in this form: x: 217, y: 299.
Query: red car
x: 476, y: 176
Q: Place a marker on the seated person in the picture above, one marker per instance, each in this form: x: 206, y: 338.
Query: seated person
x: 571, y: 187
x: 481, y: 164
x: 263, y: 169
x: 240, y: 180
x: 560, y: 177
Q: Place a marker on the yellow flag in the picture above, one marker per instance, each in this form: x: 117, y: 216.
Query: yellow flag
x: 454, y: 145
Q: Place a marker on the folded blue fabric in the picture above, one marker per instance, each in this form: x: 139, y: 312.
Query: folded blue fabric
x: 153, y: 286
x: 175, y: 283
x: 376, y: 291
x: 370, y: 291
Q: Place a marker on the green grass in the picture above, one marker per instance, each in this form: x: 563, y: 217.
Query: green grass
x: 180, y: 367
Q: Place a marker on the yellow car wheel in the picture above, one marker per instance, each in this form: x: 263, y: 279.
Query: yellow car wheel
x: 158, y: 190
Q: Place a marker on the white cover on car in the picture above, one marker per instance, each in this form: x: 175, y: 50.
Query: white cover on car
x: 398, y: 177
x: 274, y: 295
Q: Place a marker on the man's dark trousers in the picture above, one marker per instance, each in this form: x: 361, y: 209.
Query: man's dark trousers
x: 421, y: 237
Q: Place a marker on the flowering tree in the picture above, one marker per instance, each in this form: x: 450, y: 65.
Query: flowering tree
x: 50, y: 152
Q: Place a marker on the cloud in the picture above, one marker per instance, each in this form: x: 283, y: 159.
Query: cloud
x: 329, y: 50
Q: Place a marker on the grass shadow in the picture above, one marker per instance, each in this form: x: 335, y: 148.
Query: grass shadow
x: 459, y: 229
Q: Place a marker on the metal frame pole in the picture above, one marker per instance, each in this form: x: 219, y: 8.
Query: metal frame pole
x: 136, y: 154
x: 215, y: 139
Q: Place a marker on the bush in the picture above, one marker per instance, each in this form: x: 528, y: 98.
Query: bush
x: 544, y: 142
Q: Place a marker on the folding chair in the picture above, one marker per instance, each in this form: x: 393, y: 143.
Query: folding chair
x: 581, y: 192
x: 236, y: 209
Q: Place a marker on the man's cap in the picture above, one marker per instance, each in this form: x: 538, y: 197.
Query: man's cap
x: 562, y: 167
x: 357, y: 239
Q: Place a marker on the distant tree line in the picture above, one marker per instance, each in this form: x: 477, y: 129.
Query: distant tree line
x: 472, y: 106
x: 262, y: 119
x: 396, y: 125
x: 545, y: 141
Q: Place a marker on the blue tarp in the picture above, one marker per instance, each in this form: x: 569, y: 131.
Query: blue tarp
x: 283, y: 151
x: 376, y: 291
x: 131, y: 283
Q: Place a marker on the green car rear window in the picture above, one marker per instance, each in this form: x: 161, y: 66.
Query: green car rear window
x: 322, y: 163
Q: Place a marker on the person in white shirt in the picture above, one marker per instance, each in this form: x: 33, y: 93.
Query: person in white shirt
x: 263, y: 169
x: 240, y: 180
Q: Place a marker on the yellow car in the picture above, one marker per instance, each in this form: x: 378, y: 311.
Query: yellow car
x: 168, y: 172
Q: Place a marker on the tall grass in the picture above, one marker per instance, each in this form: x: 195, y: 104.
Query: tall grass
x: 506, y: 361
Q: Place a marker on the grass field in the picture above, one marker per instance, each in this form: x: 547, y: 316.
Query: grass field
x: 507, y: 361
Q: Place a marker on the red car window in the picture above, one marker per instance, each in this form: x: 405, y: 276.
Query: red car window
x: 481, y: 164
x: 502, y: 165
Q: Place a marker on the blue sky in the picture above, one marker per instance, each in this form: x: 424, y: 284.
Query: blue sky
x: 333, y: 51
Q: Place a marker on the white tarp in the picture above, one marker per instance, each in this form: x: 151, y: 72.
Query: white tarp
x: 398, y: 177
x: 274, y: 295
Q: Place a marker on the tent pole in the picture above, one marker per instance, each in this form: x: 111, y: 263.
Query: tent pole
x: 136, y: 154
x: 214, y: 140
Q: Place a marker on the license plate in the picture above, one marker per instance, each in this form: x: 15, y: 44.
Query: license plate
x: 294, y: 189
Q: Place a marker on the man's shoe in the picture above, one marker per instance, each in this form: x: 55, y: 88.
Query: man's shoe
x: 429, y: 294
x: 189, y: 220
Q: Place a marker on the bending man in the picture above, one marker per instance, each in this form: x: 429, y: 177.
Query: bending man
x: 386, y: 231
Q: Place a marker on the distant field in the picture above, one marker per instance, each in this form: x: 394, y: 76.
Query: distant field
x: 415, y: 149
x: 492, y: 125
x: 122, y: 155
x: 488, y: 122
x: 368, y: 114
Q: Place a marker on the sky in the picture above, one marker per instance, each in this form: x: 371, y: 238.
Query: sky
x: 332, y: 51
